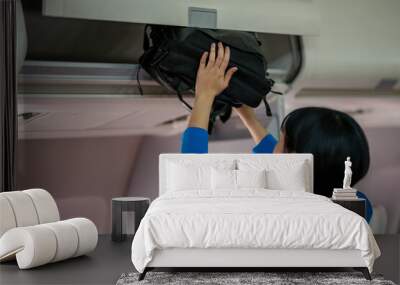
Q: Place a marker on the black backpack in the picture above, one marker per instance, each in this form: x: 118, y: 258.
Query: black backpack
x: 172, y: 54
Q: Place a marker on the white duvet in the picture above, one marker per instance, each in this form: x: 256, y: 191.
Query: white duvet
x: 250, y: 219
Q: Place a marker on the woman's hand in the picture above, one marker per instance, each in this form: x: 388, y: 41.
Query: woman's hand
x: 212, y: 77
x: 211, y: 81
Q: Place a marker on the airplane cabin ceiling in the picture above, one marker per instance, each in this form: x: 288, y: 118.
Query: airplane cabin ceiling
x: 82, y: 40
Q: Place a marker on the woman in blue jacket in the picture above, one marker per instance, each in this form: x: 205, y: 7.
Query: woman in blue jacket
x: 328, y: 134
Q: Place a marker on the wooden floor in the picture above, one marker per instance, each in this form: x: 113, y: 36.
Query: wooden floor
x: 110, y: 260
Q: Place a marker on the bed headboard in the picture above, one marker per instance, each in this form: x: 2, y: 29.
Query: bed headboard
x: 271, y: 159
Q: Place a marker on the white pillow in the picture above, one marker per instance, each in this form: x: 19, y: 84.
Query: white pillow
x: 281, y: 174
x: 251, y: 179
x: 223, y: 179
x: 188, y: 175
x: 290, y: 178
x: 226, y: 179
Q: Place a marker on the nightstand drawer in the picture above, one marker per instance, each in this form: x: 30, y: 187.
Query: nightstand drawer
x: 357, y: 206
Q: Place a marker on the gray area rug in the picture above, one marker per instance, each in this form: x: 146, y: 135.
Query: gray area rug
x: 232, y: 278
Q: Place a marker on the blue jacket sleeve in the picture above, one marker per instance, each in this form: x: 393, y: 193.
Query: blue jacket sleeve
x: 369, y: 210
x: 266, y: 145
x: 194, y: 140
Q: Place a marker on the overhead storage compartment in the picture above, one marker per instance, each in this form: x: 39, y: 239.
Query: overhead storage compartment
x: 346, y: 45
x: 97, y: 57
x: 293, y: 17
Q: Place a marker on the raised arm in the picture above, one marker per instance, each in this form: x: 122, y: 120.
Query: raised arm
x: 249, y: 119
x: 265, y: 142
x: 212, y: 79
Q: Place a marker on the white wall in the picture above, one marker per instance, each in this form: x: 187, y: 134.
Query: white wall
x: 144, y: 178
x: 382, y: 183
x: 81, y: 174
x: 358, y: 45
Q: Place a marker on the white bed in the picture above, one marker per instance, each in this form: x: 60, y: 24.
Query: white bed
x: 281, y: 224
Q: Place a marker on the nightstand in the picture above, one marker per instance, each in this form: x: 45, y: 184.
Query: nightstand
x: 127, y: 212
x: 357, y: 205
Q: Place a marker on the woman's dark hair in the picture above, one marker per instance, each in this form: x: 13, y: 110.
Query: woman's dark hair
x: 330, y: 136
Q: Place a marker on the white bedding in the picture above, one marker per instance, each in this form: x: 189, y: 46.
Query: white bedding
x: 252, y: 218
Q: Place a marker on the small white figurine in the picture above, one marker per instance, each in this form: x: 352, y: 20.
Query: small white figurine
x: 347, y: 174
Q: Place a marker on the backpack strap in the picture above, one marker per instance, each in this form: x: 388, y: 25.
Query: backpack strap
x: 183, y: 101
x: 267, y: 107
